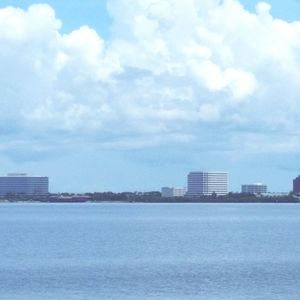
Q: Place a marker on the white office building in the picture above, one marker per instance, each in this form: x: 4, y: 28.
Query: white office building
x: 172, y: 192
x: 256, y: 188
x: 23, y: 184
x: 207, y: 183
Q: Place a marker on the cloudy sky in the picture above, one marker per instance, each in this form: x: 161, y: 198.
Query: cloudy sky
x: 133, y: 94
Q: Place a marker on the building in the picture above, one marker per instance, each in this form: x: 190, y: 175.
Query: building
x: 172, y: 192
x: 23, y: 184
x: 296, y: 185
x: 66, y: 199
x: 207, y: 183
x: 256, y: 188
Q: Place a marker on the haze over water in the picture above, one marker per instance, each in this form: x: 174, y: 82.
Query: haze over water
x: 146, y: 251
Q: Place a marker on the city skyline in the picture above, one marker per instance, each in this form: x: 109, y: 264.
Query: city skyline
x: 202, y: 182
x: 106, y: 95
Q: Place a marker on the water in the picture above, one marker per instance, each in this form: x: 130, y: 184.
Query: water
x: 149, y: 251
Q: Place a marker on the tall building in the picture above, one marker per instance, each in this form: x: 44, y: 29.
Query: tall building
x: 296, y: 185
x: 256, y: 188
x: 23, y: 184
x: 172, y: 192
x: 207, y: 183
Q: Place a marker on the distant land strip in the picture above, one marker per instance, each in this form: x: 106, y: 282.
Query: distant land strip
x: 149, y: 197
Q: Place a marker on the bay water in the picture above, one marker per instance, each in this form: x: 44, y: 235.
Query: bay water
x: 149, y: 251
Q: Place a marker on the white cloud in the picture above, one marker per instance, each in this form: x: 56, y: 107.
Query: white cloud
x: 241, y: 83
x: 209, y: 113
x: 263, y: 9
x: 169, y: 68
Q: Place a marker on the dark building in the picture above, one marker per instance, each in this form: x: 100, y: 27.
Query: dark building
x: 296, y: 185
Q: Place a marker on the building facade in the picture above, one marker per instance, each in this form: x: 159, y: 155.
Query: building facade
x: 296, y: 185
x: 207, y: 183
x: 172, y: 192
x: 23, y: 184
x: 256, y: 188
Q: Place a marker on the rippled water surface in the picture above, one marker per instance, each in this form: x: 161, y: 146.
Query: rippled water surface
x: 149, y: 251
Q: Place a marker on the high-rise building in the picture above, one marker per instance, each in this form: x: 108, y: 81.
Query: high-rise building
x: 256, y: 188
x: 296, y: 185
x: 23, y: 184
x: 207, y: 183
x: 172, y: 192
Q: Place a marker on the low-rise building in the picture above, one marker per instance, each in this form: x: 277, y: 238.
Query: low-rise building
x: 172, y: 192
x: 255, y: 188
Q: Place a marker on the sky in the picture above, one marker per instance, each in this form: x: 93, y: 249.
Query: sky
x: 131, y: 95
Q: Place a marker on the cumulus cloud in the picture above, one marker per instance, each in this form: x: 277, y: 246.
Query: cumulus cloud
x: 170, y: 70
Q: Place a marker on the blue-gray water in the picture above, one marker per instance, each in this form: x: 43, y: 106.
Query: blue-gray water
x: 145, y: 251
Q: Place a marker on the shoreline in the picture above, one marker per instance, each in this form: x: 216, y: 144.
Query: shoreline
x: 146, y: 202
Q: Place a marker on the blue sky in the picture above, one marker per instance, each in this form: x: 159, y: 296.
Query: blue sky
x: 132, y: 95
x: 75, y: 13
